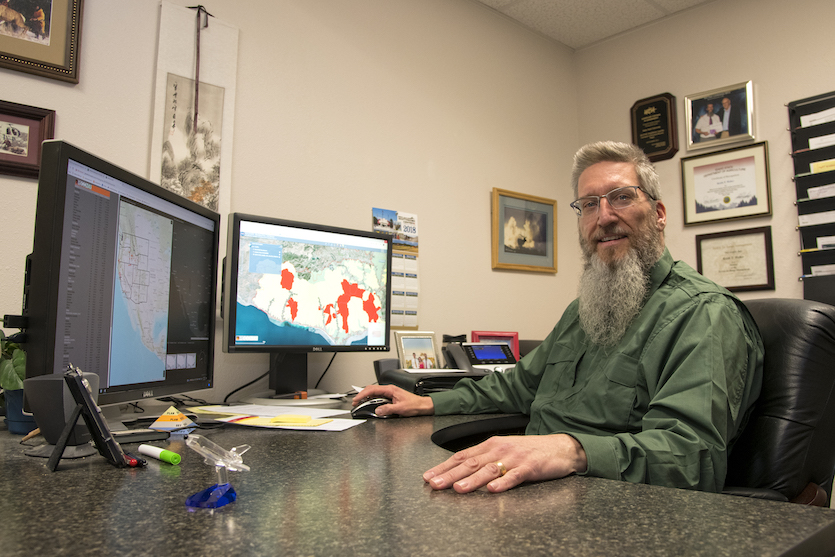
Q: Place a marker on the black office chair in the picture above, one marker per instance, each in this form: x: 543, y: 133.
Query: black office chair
x: 787, y: 450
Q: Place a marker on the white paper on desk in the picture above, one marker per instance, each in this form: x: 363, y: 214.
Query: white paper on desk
x: 336, y: 424
x: 269, y: 411
x: 434, y: 372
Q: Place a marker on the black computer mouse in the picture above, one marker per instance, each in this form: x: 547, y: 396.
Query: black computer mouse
x: 366, y: 408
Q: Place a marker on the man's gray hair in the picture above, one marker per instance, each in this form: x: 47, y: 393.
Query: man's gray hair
x: 613, y: 151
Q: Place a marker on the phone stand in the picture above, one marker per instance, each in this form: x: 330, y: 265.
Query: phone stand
x: 222, y: 493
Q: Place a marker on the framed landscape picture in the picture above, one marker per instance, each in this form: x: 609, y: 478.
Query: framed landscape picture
x: 524, y: 232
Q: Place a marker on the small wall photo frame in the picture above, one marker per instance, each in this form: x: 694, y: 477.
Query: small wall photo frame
x: 417, y: 350
x: 509, y: 338
x: 45, y: 41
x: 524, y: 232
x: 22, y: 130
x: 724, y: 185
x: 739, y: 260
x: 720, y: 116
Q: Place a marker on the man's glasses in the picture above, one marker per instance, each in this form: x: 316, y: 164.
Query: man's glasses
x: 620, y: 198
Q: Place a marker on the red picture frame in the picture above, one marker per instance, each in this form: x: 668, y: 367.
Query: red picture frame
x: 510, y: 338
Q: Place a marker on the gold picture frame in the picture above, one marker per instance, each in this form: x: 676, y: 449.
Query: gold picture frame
x: 54, y: 55
x: 524, y: 232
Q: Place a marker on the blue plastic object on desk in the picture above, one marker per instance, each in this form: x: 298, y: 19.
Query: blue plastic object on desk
x: 222, y: 493
x: 212, y: 497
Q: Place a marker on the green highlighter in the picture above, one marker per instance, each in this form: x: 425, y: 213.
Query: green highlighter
x: 159, y: 454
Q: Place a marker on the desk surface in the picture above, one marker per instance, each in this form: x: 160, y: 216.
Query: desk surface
x: 360, y: 492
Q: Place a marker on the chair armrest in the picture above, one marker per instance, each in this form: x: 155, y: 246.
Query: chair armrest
x: 755, y: 492
x: 813, y: 495
x: 461, y: 436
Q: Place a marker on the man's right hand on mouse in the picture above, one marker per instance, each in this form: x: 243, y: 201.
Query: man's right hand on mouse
x: 403, y: 403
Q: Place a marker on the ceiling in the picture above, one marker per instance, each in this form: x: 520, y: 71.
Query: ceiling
x: 580, y: 23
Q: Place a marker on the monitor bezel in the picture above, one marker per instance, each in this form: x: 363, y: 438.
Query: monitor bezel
x: 230, y: 284
x: 42, y: 284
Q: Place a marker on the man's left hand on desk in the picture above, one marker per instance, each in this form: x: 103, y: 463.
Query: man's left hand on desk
x: 504, y: 462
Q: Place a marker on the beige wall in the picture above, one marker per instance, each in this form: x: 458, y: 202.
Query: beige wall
x: 781, y: 46
x: 425, y: 106
x: 344, y: 105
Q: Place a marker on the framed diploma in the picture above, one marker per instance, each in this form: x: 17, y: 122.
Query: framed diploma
x: 654, y: 127
x: 739, y: 260
x: 724, y: 185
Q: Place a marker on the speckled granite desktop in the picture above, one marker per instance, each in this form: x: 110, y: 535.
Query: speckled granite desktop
x: 360, y: 492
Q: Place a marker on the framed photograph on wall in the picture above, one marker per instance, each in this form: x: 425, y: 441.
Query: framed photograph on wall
x: 720, y: 116
x: 739, y: 260
x: 511, y: 339
x: 524, y: 232
x: 43, y: 39
x: 22, y: 130
x: 416, y: 350
x: 724, y: 185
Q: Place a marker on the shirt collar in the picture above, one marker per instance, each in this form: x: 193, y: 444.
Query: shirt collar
x: 660, y: 271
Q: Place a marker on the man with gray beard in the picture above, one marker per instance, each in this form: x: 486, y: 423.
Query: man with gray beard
x: 648, y: 376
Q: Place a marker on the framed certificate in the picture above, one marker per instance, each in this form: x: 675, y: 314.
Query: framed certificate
x: 729, y: 184
x: 739, y: 260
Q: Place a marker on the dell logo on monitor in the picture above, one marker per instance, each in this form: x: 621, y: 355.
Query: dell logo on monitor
x: 317, y: 348
x: 147, y: 394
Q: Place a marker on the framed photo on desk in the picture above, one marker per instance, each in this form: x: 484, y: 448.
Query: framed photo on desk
x: 416, y: 350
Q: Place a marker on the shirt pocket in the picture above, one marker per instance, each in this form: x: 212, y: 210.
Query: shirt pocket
x: 607, y: 400
x: 560, y: 369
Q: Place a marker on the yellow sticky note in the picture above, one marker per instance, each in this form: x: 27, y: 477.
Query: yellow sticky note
x: 290, y: 419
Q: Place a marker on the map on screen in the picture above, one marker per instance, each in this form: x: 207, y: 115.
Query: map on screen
x: 292, y: 292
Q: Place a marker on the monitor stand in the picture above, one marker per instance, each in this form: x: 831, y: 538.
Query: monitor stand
x: 288, y: 373
x: 288, y: 376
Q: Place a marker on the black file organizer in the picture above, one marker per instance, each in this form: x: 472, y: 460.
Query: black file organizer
x: 815, y: 287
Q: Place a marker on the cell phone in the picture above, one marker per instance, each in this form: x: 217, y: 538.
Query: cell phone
x: 87, y: 407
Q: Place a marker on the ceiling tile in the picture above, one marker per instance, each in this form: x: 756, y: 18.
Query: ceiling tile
x: 579, y: 23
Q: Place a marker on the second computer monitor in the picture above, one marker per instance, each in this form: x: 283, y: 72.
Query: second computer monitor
x: 292, y: 288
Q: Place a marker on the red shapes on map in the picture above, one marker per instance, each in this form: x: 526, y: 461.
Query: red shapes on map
x: 287, y: 279
x: 350, y: 291
x: 371, y: 309
x: 294, y: 308
x: 329, y: 312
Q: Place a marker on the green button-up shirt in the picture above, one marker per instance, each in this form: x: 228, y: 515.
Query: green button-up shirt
x: 662, y: 407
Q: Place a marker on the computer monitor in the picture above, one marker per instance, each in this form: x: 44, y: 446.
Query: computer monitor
x: 122, y: 280
x: 292, y: 288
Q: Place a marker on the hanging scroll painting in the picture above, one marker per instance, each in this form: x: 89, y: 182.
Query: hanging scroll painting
x: 191, y: 145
